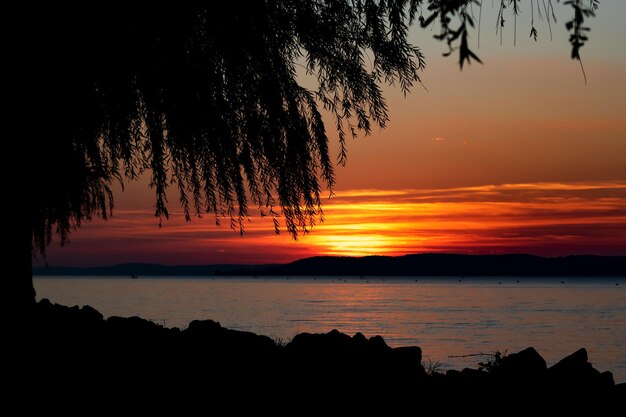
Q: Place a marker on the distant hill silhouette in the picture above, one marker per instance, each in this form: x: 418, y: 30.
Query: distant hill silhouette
x: 436, y: 264
x: 433, y: 264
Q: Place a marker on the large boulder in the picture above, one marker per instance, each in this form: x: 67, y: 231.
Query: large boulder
x: 573, y: 364
x: 340, y: 359
x: 321, y: 344
x: 377, y: 343
x: 133, y: 328
x: 407, y: 362
x: 208, y: 334
x: 575, y: 372
x: 526, y: 364
x: 90, y: 314
x: 203, y: 329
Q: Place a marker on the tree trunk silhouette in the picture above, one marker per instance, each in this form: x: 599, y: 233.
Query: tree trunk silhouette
x: 21, y: 279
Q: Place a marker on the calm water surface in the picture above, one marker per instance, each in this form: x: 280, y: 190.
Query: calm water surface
x: 445, y: 317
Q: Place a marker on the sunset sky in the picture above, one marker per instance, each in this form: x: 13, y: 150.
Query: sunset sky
x: 514, y: 156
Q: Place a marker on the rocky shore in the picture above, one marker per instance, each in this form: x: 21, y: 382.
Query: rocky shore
x: 75, y: 350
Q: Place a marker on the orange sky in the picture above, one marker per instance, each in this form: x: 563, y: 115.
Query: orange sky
x: 516, y: 155
x: 542, y: 218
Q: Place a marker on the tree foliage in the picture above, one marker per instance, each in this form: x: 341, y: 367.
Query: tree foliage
x: 208, y: 99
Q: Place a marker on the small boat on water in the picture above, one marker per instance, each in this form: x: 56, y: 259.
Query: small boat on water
x: 134, y: 276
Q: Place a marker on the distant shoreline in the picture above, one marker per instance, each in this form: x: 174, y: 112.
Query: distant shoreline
x: 419, y: 265
x: 444, y: 279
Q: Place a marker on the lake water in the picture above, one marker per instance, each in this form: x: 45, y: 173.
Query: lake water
x: 444, y: 316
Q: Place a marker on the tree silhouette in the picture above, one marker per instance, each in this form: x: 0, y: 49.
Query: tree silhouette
x: 208, y: 99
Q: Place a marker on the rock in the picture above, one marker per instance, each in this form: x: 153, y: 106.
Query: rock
x: 250, y: 343
x: 336, y: 342
x: 209, y: 334
x: 203, y: 328
x: 45, y: 304
x: 606, y: 379
x: 91, y: 314
x: 407, y: 354
x: 133, y: 329
x: 359, y: 339
x: 474, y: 377
x: 527, y: 363
x: 408, y: 361
x: 320, y: 343
x: 473, y: 373
x: 355, y: 361
x: 575, y: 372
x: 453, y: 374
x: 378, y: 343
x: 572, y: 363
x: 572, y: 370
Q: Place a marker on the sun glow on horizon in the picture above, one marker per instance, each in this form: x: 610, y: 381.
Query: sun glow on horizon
x: 493, y: 218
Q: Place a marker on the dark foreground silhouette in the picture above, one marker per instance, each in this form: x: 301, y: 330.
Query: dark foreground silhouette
x: 76, y: 355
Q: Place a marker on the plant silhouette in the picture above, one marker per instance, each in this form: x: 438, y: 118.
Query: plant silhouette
x: 208, y: 99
